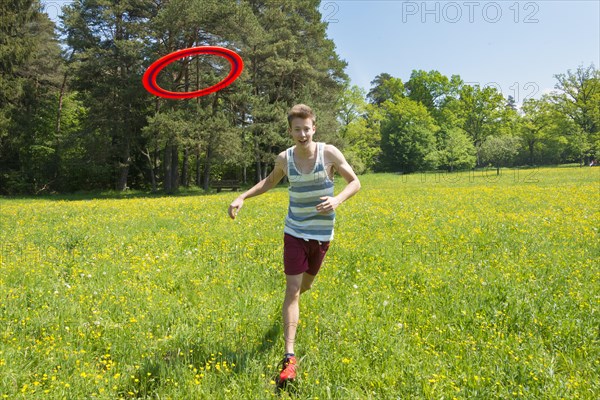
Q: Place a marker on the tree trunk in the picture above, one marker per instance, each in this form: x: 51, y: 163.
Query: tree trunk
x: 60, y: 102
x: 174, y: 167
x: 257, y: 161
x: 258, y: 171
x: 531, y: 149
x: 151, y: 168
x: 198, y: 167
x: 121, y: 115
x: 123, y: 170
x: 207, y: 165
x: 168, y: 175
x: 185, y: 181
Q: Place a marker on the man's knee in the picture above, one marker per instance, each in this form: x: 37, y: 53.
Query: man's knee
x: 292, y: 290
x: 305, y: 287
x: 307, y: 282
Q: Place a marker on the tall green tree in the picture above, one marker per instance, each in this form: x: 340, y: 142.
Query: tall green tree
x: 535, y: 125
x: 183, y: 24
x: 30, y: 66
x: 107, y: 38
x: 455, y: 150
x: 385, y: 87
x: 577, y: 98
x: 432, y: 88
x: 16, y: 49
x: 499, y: 151
x: 480, y: 111
x: 289, y: 60
x: 407, y: 136
x: 360, y: 130
x: 352, y: 105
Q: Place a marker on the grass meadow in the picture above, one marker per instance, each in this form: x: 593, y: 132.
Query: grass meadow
x: 437, y: 286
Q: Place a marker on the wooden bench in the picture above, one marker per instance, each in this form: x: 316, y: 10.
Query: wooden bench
x: 225, y: 184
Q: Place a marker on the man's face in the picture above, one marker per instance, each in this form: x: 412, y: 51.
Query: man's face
x: 302, y: 131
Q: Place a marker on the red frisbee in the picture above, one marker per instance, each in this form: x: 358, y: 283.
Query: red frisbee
x: 149, y: 78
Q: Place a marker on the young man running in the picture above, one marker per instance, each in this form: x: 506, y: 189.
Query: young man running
x: 308, y: 230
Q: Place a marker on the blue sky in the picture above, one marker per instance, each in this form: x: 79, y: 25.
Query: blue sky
x: 516, y: 46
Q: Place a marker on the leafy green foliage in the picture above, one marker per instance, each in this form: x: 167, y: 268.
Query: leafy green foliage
x: 455, y: 150
x: 407, y: 135
x: 499, y: 151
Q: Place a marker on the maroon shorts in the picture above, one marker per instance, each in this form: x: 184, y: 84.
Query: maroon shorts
x: 301, y: 255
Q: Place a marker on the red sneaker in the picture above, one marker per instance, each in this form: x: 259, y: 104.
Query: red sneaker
x: 288, y: 370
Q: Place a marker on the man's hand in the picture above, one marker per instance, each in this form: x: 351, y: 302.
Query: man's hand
x: 328, y: 205
x: 235, y: 207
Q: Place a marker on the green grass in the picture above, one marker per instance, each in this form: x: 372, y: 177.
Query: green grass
x: 436, y: 286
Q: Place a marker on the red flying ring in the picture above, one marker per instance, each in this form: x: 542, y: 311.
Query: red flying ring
x: 149, y: 78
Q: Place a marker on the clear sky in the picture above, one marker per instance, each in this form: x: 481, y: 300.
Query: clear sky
x: 517, y: 46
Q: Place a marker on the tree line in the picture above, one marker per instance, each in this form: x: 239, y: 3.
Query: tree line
x: 435, y: 122
x: 75, y: 116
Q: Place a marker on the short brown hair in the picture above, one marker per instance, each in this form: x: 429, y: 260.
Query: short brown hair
x: 301, y: 111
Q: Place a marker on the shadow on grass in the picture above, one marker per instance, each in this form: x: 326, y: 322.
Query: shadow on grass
x: 115, y: 195
x: 154, y: 372
x: 130, y: 194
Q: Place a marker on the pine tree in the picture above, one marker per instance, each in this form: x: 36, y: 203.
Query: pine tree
x: 30, y: 66
x: 290, y: 60
x: 107, y: 39
x: 210, y: 120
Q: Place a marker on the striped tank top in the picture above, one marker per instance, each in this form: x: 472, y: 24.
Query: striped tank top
x: 303, y: 221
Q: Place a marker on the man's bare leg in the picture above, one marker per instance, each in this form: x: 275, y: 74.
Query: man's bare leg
x: 307, y: 281
x: 291, y: 310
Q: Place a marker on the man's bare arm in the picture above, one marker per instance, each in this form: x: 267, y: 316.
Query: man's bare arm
x: 333, y: 155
